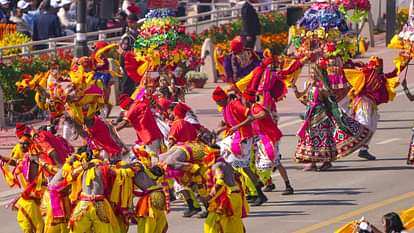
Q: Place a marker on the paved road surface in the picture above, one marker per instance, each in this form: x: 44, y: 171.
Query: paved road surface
x: 323, y: 201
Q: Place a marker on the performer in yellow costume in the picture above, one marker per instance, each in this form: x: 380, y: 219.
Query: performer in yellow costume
x: 28, y: 174
x: 227, y: 202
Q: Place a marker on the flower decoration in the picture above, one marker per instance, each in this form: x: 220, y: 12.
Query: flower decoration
x: 359, y: 9
x: 323, y: 15
x: 11, y: 39
x: 164, y: 42
x: 363, y: 5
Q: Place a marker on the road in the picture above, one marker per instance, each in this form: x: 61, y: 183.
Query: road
x: 323, y: 201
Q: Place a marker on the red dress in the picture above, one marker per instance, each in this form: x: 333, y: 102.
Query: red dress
x: 143, y: 121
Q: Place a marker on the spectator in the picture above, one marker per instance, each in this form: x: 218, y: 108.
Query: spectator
x: 46, y: 25
x: 204, y: 8
x: 21, y: 25
x: 131, y: 32
x: 68, y: 23
x: 31, y: 13
x: 251, y: 25
x: 181, y: 9
x: 5, y: 11
x: 130, y: 7
x: 92, y: 22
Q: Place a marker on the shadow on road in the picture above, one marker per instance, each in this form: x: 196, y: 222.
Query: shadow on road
x: 321, y: 202
x: 363, y: 160
x: 330, y: 191
x: 392, y: 168
x: 257, y: 214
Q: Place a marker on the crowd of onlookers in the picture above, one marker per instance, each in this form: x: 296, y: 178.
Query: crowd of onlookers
x: 54, y: 18
x: 44, y: 19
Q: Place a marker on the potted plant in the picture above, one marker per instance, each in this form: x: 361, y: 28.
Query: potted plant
x: 197, y: 79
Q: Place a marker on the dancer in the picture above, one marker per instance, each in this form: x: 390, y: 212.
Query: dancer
x: 327, y: 133
x: 237, y: 146
x: 140, y: 116
x: 93, y: 212
x: 410, y: 159
x: 268, y: 136
x: 227, y: 201
x: 372, y: 87
x: 240, y: 62
x: 32, y: 180
x: 151, y: 206
x: 181, y: 131
x: 183, y: 163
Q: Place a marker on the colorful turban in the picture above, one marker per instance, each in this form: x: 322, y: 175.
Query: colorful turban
x: 219, y: 94
x: 249, y: 95
x: 236, y: 44
x: 164, y: 103
x: 21, y: 129
x: 100, y: 45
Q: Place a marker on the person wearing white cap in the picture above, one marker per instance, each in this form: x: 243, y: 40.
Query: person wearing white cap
x: 46, y: 25
x: 5, y: 11
x: 21, y: 25
x: 67, y: 22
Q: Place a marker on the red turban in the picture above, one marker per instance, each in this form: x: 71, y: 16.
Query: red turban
x: 249, y: 95
x: 219, y: 94
x: 100, y: 45
x: 125, y: 101
x: 180, y: 110
x: 236, y: 44
x: 164, y: 103
x: 21, y: 129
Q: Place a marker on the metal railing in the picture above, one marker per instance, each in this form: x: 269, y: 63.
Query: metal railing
x: 192, y: 22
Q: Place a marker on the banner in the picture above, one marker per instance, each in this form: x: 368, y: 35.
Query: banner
x: 153, y: 4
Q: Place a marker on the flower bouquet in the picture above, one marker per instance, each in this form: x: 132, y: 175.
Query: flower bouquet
x: 164, y: 43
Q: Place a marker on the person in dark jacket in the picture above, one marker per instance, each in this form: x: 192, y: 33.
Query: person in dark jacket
x: 46, y: 25
x: 251, y: 25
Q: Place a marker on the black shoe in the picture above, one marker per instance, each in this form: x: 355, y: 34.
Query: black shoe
x: 191, y: 212
x: 366, y: 155
x: 251, y: 199
x: 288, y: 191
x: 203, y: 214
x: 269, y: 188
x: 259, y: 201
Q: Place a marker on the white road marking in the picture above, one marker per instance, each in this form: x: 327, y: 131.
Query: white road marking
x: 388, y: 141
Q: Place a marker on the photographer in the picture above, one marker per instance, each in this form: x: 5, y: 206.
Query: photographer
x: 391, y: 223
